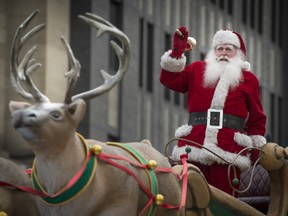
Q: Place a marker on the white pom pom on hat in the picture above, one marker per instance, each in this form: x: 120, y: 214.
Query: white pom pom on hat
x: 226, y: 36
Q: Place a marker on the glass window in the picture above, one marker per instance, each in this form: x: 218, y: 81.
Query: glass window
x: 150, y: 55
x: 141, y: 50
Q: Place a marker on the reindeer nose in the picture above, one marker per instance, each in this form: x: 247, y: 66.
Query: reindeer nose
x: 32, y: 115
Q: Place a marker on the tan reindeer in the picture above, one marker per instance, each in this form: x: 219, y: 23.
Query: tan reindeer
x: 101, y: 189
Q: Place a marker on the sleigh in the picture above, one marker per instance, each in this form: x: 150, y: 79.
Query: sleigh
x: 72, y: 175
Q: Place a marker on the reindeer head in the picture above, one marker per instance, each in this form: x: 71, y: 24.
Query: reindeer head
x: 42, y: 122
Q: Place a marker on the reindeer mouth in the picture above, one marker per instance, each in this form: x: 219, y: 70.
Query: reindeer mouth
x: 28, y: 131
x: 23, y: 125
x: 19, y: 123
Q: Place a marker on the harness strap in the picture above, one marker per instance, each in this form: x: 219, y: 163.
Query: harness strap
x: 150, y: 172
x: 80, y: 181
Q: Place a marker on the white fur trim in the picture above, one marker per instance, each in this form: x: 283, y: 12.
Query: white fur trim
x: 258, y: 140
x: 221, y: 92
x: 242, y: 139
x: 225, y: 37
x: 246, y: 66
x: 172, y: 64
x: 205, y: 157
x: 183, y: 130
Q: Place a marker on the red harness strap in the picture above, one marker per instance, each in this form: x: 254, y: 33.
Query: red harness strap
x: 72, y: 181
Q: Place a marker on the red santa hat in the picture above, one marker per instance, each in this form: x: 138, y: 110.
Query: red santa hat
x: 231, y: 37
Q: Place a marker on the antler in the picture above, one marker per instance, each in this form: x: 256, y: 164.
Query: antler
x: 20, y: 73
x: 123, y: 55
x: 73, y: 74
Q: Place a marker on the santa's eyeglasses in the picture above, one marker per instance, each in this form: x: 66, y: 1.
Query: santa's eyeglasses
x: 225, y: 48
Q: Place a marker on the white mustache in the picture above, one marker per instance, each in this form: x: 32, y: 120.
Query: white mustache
x: 223, y: 58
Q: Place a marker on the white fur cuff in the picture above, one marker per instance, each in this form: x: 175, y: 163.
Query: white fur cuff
x: 242, y: 139
x: 258, y: 140
x: 202, y: 156
x: 183, y: 130
x: 172, y: 64
x: 245, y: 65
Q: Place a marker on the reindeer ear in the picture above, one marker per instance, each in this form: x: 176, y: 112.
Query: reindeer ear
x: 77, y: 110
x: 15, y: 105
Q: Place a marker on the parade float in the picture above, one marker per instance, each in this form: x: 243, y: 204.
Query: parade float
x: 72, y: 175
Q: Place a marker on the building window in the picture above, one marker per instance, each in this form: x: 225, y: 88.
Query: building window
x: 277, y: 21
x: 116, y: 17
x: 280, y: 22
x: 177, y: 98
x: 260, y: 17
x: 185, y: 101
x: 114, y: 96
x: 252, y: 13
x: 202, y: 56
x: 167, y: 94
x: 167, y: 45
x: 187, y: 55
x: 272, y: 116
x: 244, y: 11
x: 112, y: 138
x: 273, y: 17
x: 150, y: 55
x: 279, y: 120
x: 230, y: 6
x: 141, y: 50
x: 222, y: 4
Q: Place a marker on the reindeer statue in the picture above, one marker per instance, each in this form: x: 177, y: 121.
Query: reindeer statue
x: 74, y: 175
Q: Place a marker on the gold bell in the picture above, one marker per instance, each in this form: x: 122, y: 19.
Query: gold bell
x: 191, y: 44
x: 159, y: 199
x: 152, y: 164
x: 2, y: 213
x: 96, y: 149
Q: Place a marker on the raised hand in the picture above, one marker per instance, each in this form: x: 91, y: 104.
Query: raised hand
x: 179, y: 42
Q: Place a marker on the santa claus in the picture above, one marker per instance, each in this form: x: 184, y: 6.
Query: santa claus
x: 223, y: 101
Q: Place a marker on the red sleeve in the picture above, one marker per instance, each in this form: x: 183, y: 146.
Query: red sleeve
x: 177, y: 81
x: 257, y: 119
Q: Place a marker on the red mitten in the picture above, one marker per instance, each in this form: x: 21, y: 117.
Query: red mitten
x: 179, y: 42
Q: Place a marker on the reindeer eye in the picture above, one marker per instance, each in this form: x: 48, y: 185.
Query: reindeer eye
x: 56, y: 115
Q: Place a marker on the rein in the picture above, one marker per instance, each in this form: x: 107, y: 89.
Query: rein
x: 230, y: 163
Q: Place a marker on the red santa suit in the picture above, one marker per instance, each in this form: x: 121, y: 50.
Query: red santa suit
x: 241, y: 101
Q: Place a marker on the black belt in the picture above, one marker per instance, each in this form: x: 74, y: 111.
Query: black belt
x: 229, y: 121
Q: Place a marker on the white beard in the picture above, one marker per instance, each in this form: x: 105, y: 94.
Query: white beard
x: 230, y: 69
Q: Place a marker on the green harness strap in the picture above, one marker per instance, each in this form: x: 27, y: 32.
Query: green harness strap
x: 150, y: 172
x: 82, y: 183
